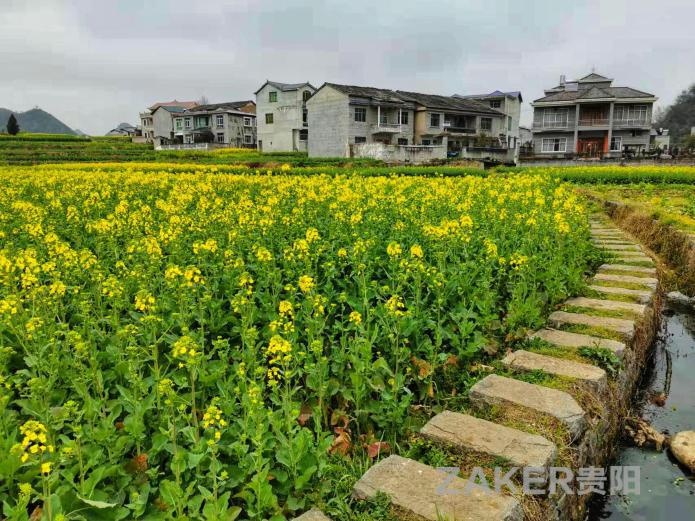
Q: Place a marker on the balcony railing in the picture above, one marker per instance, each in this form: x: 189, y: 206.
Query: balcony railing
x: 593, y: 122
x: 634, y: 122
x: 386, y: 127
x: 448, y: 126
x: 550, y: 124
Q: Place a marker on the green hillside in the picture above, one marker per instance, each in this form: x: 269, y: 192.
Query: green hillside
x: 35, y: 120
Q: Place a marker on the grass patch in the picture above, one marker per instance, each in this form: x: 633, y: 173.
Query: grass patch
x: 592, y: 293
x: 622, y: 285
x: 608, y: 313
x: 601, y: 332
x: 609, y: 271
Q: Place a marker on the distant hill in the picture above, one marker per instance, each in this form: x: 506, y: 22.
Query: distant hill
x: 680, y: 116
x: 35, y: 120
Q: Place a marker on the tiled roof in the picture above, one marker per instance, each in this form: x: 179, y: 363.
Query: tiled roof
x: 593, y: 77
x: 175, y: 103
x: 230, y: 105
x: 285, y: 87
x: 495, y: 94
x: 433, y: 101
x: 174, y: 110
x: 596, y: 93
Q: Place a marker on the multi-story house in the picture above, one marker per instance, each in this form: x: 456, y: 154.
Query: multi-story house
x: 156, y: 124
x: 231, y: 124
x: 344, y: 115
x: 509, y: 103
x: 591, y: 118
x: 282, y: 116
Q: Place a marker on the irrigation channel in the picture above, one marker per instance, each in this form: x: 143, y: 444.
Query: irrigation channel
x: 667, y: 491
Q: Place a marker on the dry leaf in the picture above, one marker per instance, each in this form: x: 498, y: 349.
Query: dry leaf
x: 376, y: 448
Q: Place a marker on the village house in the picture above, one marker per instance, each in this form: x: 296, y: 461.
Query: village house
x: 282, y: 116
x: 226, y: 124
x: 509, y: 103
x: 591, y: 118
x: 157, y: 122
x: 348, y: 120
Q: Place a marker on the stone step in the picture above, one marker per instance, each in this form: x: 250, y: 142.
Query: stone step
x: 567, y: 339
x: 626, y: 328
x: 613, y: 242
x: 638, y: 258
x: 645, y: 281
x: 621, y: 247
x: 462, y: 431
x: 594, y: 377
x: 642, y: 296
x: 313, y: 515
x: 626, y: 267
x: 606, y: 305
x: 607, y: 232
x: 494, y: 390
x: 421, y: 490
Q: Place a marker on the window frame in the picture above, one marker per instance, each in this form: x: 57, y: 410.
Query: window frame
x: 217, y: 137
x: 484, y: 121
x: 179, y: 124
x: 269, y: 118
x: 272, y: 96
x: 247, y: 121
x: 555, y: 115
x: 426, y: 142
x: 219, y: 120
x: 403, y: 141
x: 495, y: 104
x: 404, y: 117
x: 363, y: 112
x: 435, y: 116
x: 304, y: 95
x: 304, y: 132
x: 553, y: 139
x: 248, y: 139
x: 616, y: 139
x: 360, y: 140
x: 188, y: 123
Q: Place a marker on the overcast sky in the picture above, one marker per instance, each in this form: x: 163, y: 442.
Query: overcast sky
x: 96, y: 63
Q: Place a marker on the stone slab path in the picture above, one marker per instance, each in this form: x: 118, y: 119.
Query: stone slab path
x: 434, y: 494
x: 463, y: 431
x: 573, y: 340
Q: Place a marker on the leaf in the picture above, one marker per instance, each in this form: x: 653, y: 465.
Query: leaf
x: 376, y: 448
x: 97, y: 504
x: 341, y: 443
x: 424, y: 369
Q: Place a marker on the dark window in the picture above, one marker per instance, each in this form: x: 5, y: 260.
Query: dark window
x: 303, y: 135
x: 402, y: 141
x: 426, y: 142
x: 272, y: 96
x: 360, y: 139
x: 495, y: 103
x: 305, y: 114
x: 269, y: 119
x: 485, y: 123
x: 306, y: 95
x: 434, y: 120
x: 360, y: 114
x: 404, y: 118
x: 220, y: 137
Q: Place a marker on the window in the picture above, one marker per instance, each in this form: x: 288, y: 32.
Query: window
x: 305, y: 116
x: 269, y: 118
x: 426, y: 142
x: 509, y: 123
x: 272, y: 96
x: 485, y: 123
x: 248, y: 139
x: 220, y: 137
x: 404, y: 118
x: 247, y: 122
x: 219, y: 120
x: 360, y: 114
x: 402, y: 141
x: 303, y: 134
x: 179, y: 124
x: 434, y: 120
x: 188, y: 138
x: 616, y: 143
x: 555, y: 118
x: 306, y: 95
x: 360, y: 139
x: 632, y: 113
x: 187, y: 123
x: 554, y: 144
x: 495, y: 104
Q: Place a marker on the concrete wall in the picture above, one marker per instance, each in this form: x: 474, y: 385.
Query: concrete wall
x: 287, y: 117
x: 400, y: 154
x: 329, y: 114
x: 365, y: 129
x: 163, y: 123
x: 538, y: 142
x: 235, y: 131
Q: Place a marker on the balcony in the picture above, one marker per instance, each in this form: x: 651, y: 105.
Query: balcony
x: 381, y: 128
x: 631, y: 123
x: 593, y: 122
x: 548, y: 125
x: 457, y: 129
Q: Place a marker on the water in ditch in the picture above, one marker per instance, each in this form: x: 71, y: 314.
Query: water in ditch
x: 667, y: 491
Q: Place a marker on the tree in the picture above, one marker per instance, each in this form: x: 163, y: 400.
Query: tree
x: 679, y: 117
x: 12, y: 125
